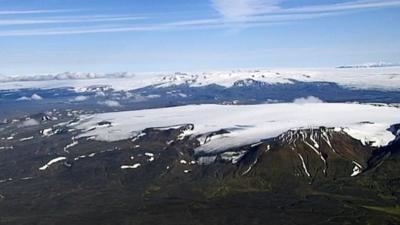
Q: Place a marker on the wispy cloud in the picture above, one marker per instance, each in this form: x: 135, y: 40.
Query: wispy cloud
x: 41, y: 11
x: 245, y: 13
x: 189, y: 24
x: 238, y: 10
x: 347, y: 6
x: 55, y: 20
x: 231, y: 14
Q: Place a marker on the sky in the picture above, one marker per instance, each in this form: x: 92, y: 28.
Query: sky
x: 55, y: 36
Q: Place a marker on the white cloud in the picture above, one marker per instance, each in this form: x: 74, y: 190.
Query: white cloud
x: 110, y: 103
x: 309, y: 99
x: 81, y: 98
x: 29, y: 122
x: 24, y: 98
x: 237, y: 10
x: 33, y: 97
x: 36, y: 97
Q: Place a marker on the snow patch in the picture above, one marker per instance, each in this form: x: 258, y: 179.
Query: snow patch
x: 70, y: 146
x: 357, y: 169
x: 47, y: 132
x: 51, y: 162
x: 26, y: 139
x: 233, y: 157
x: 304, y: 165
x: 134, y: 166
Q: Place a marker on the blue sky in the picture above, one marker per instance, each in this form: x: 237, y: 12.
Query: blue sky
x: 53, y: 36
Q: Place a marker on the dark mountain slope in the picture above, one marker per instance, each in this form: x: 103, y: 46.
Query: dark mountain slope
x: 299, y: 177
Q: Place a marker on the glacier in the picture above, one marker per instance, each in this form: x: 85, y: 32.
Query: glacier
x: 248, y: 124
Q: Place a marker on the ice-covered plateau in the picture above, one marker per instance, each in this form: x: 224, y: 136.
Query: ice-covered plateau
x: 248, y: 124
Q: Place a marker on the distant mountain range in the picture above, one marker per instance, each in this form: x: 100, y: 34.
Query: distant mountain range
x: 361, y: 77
x: 370, y: 65
x: 124, y: 91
